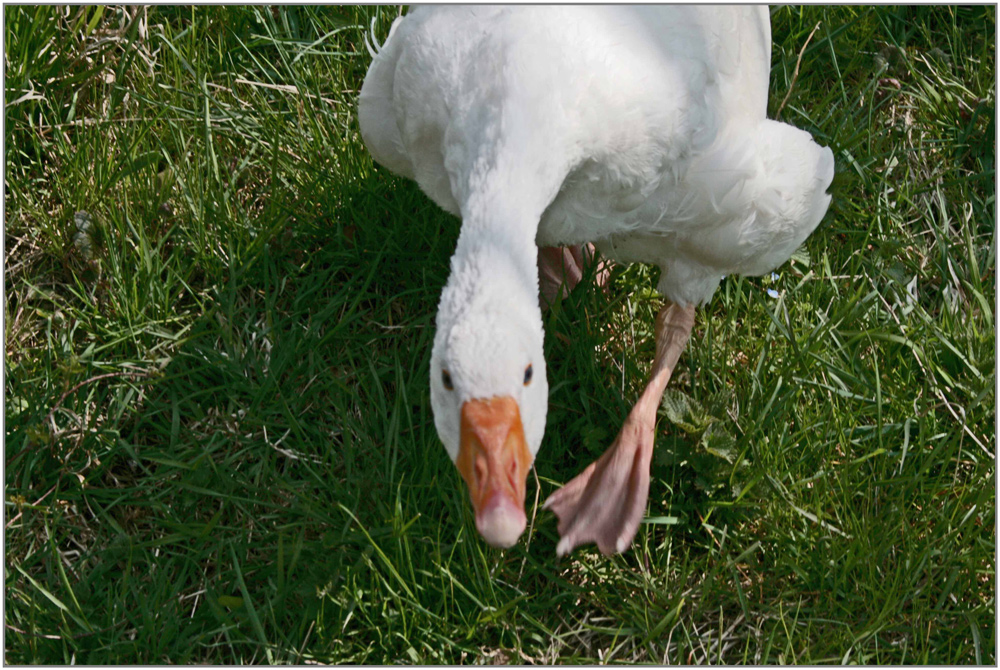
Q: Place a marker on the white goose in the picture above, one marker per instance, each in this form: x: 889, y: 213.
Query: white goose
x: 640, y: 129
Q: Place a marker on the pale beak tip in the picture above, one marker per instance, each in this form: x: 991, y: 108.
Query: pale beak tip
x: 500, y: 521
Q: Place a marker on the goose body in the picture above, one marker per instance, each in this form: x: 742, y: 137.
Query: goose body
x: 639, y: 129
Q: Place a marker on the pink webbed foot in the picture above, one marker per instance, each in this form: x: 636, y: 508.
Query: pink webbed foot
x: 605, y: 503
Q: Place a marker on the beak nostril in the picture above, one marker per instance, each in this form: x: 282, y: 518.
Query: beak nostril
x: 480, y: 471
x: 512, y: 473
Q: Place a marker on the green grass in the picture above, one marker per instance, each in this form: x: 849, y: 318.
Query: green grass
x: 219, y: 442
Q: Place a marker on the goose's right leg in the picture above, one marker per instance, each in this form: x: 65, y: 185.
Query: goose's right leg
x: 560, y: 269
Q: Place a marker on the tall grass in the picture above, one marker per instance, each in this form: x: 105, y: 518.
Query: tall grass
x: 219, y: 443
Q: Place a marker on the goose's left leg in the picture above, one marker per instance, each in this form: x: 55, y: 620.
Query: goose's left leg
x: 605, y: 503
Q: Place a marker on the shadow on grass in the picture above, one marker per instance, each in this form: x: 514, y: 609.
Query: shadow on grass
x: 287, y: 456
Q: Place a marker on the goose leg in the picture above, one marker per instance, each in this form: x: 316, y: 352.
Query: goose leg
x: 560, y: 269
x: 606, y: 502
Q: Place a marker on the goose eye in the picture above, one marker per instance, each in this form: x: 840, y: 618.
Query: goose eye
x: 446, y: 380
x: 527, y: 374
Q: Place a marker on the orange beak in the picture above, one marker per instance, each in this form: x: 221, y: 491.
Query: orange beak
x: 494, y: 461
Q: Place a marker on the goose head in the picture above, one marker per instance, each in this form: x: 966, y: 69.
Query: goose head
x: 489, y: 392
